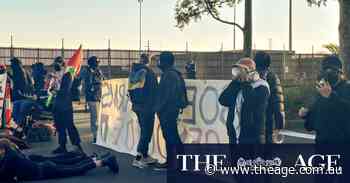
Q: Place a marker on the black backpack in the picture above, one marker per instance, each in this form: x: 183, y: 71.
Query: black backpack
x: 181, y: 98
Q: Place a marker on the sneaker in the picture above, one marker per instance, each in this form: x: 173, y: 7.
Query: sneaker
x: 137, y: 162
x: 149, y: 160
x: 161, y: 166
x: 111, y: 163
x: 60, y: 150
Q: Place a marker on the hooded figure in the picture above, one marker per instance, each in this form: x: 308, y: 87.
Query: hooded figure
x: 328, y: 115
x: 275, y: 114
x: 171, y: 99
x: 246, y: 97
x: 22, y: 82
x: 39, y: 74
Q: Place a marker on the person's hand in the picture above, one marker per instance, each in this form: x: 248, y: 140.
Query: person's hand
x: 324, y: 89
x: 303, y: 112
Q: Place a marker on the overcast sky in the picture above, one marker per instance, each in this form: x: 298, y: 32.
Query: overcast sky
x: 42, y: 23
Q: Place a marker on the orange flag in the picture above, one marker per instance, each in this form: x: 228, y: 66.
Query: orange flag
x: 74, y: 63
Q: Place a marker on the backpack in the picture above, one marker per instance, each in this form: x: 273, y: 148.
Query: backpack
x: 181, y: 98
x: 137, y: 79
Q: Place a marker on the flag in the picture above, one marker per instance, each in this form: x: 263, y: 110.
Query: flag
x: 74, y: 63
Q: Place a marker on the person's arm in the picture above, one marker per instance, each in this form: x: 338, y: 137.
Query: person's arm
x: 166, y: 89
x: 277, y: 101
x: 228, y: 96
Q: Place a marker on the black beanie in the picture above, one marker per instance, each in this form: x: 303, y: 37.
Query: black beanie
x: 144, y: 58
x: 262, y: 60
x: 166, y: 58
x: 333, y: 62
x: 92, y: 61
x: 59, y: 60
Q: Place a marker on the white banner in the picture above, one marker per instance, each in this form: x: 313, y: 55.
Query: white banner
x: 204, y: 121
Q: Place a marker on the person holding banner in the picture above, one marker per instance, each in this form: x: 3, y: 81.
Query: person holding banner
x: 142, y: 91
x: 247, y: 98
x: 171, y: 99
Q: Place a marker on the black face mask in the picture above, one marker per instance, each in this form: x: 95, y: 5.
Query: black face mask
x: 57, y: 67
x: 331, y: 75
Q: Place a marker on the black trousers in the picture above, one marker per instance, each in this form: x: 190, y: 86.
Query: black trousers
x: 64, y: 123
x: 63, y: 166
x: 168, y: 123
x: 146, y: 122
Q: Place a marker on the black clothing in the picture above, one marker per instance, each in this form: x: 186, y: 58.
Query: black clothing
x: 16, y: 165
x: 92, y: 78
x: 63, y: 113
x: 275, y: 114
x: 329, y: 116
x: 252, y: 119
x: 146, y: 122
x: 190, y: 70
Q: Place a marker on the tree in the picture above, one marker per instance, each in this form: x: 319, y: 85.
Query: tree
x: 344, y: 30
x: 332, y: 48
x: 187, y: 10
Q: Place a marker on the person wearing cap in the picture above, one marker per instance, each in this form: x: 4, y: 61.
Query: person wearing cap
x: 275, y: 114
x: 247, y: 98
x: 142, y: 91
x: 92, y: 77
x: 171, y: 99
x: 191, y: 69
x: 329, y: 114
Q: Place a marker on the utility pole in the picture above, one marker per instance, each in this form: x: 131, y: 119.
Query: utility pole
x: 234, y: 27
x: 140, y: 41
x: 62, y: 48
x: 11, y: 47
x: 290, y: 26
x: 109, y: 60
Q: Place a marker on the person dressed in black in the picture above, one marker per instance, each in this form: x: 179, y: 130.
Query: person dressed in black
x: 142, y: 91
x: 247, y: 98
x: 16, y: 166
x: 328, y: 115
x: 63, y: 116
x: 275, y: 114
x: 171, y: 99
x: 191, y: 70
x: 39, y: 75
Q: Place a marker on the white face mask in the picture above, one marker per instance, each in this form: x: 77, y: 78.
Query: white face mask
x: 236, y: 72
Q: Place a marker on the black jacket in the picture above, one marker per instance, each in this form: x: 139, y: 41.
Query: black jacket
x: 329, y: 117
x: 169, y: 89
x: 252, y: 120
x: 149, y: 90
x: 63, y: 99
x: 93, y: 83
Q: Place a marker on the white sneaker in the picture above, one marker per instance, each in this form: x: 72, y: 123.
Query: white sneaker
x: 139, y: 163
x: 149, y: 160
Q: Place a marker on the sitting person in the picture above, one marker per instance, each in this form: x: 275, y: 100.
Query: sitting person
x: 15, y: 166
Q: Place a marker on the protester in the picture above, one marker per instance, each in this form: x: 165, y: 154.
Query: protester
x: 21, y: 80
x: 275, y: 114
x: 171, y: 99
x: 39, y: 75
x: 328, y: 115
x: 142, y: 91
x: 92, y: 77
x: 16, y: 166
x: 246, y: 97
x: 191, y: 70
x: 63, y: 116
x: 54, y: 80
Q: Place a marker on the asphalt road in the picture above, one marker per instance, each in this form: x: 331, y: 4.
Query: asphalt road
x: 128, y: 174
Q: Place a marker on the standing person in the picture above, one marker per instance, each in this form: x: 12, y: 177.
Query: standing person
x: 21, y: 80
x: 328, y: 115
x: 142, y: 91
x: 39, y: 75
x: 63, y: 116
x: 191, y: 70
x: 54, y: 80
x: 92, y: 77
x: 171, y: 99
x: 246, y: 97
x: 275, y: 114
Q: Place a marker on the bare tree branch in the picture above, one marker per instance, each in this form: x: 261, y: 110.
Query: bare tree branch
x: 219, y: 19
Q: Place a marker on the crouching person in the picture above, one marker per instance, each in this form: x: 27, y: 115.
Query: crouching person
x: 15, y: 166
x: 246, y: 97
